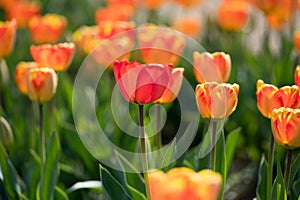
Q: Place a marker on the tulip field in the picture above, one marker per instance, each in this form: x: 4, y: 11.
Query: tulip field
x: 149, y: 99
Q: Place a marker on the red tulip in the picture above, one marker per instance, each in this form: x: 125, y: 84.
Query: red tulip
x: 216, y: 100
x: 47, y: 28
x: 212, y: 67
x: 7, y: 37
x: 297, y: 76
x: 286, y: 127
x: 21, y: 73
x: 58, y: 56
x: 141, y: 83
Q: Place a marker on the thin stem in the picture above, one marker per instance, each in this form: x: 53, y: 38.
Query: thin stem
x: 158, y: 135
x: 42, y: 138
x: 31, y: 126
x: 213, y: 142
x: 270, y: 167
x: 51, y: 115
x: 144, y: 150
x: 288, y: 168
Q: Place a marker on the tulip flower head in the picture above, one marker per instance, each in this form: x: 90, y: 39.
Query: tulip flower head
x: 21, y: 73
x: 286, y: 127
x: 47, y: 28
x: 41, y: 84
x: 117, y: 12
x: 216, y: 100
x: 296, y: 39
x: 297, y: 76
x: 188, y: 25
x: 84, y: 37
x: 188, y: 4
x: 142, y: 83
x: 7, y: 37
x: 264, y: 5
x: 212, y: 67
x: 57, y: 56
x: 184, y: 183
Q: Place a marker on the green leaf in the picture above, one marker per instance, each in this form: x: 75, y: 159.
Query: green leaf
x: 112, y: 187
x: 59, y: 194
x: 231, y: 141
x: 295, y: 168
x: 262, y: 180
x: 95, y: 185
x: 221, y: 160
x: 296, y: 189
x: 35, y: 174
x: 278, y: 189
x: 169, y: 156
x: 51, y: 169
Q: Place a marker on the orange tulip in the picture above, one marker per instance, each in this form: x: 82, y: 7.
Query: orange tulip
x: 216, y: 100
x: 23, y: 11
x: 21, y: 73
x: 85, y: 38
x: 232, y: 15
x: 109, y: 28
x: 152, y: 4
x: 264, y: 5
x: 212, y: 67
x: 118, y: 12
x: 172, y: 91
x: 298, y: 3
x: 286, y: 127
x: 41, y: 84
x: 142, y: 83
x: 7, y: 4
x: 58, y: 56
x: 270, y: 97
x: 184, y: 183
x: 47, y: 28
x: 297, y: 76
x: 7, y: 37
x: 187, y: 25
x: 280, y: 14
x: 297, y: 41
x: 160, y: 45
x: 190, y: 3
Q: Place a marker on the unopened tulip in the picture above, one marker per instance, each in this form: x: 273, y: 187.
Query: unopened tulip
x: 21, y: 73
x: 212, y: 67
x: 286, y: 127
x: 296, y: 39
x: 172, y: 91
x: 142, y: 83
x: 119, y: 12
x: 41, y: 84
x: 47, y: 28
x: 297, y: 76
x: 216, y: 100
x: 58, y: 56
x: 184, y: 183
x: 187, y: 25
x: 7, y: 37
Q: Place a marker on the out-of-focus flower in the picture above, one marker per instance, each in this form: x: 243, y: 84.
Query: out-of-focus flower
x: 184, y: 183
x: 280, y: 14
x: 121, y: 2
x: 212, y: 67
x: 264, y: 5
x: 152, y: 4
x: 84, y: 38
x: 298, y: 3
x: 216, y: 100
x: 188, y: 25
x: 57, y: 56
x: 187, y: 4
x: 7, y: 37
x: 47, y: 28
x: 23, y: 11
x: 296, y: 38
x: 160, y: 45
x: 172, y: 91
x: 21, y: 73
x: 109, y: 28
x: 270, y: 97
x: 41, y: 84
x: 142, y: 83
x: 297, y: 76
x: 6, y: 4
x: 286, y: 127
x: 118, y: 12
x: 233, y: 15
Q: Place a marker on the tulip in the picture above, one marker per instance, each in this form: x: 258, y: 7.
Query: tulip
x: 7, y: 4
x: 280, y: 14
x: 286, y: 127
x: 7, y: 37
x: 119, y: 12
x: 298, y: 4
x: 187, y: 25
x: 212, y: 67
x: 270, y: 97
x: 84, y: 38
x: 216, y: 100
x: 23, y: 11
x: 297, y: 41
x: 188, y: 4
x: 184, y: 183
x: 171, y: 93
x: 47, y: 28
x: 141, y: 83
x: 41, y: 84
x: 232, y: 15
x: 297, y: 76
x: 58, y: 56
x: 21, y: 73
x: 109, y: 28
x: 121, y: 2
x: 160, y: 45
x: 264, y: 5
x: 152, y: 4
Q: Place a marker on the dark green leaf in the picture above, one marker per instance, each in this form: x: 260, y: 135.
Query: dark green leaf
x: 59, y: 194
x: 295, y: 168
x: 231, y: 141
x: 262, y: 180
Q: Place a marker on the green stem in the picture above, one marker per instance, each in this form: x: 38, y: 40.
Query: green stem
x: 31, y: 126
x: 288, y: 168
x: 270, y: 167
x: 158, y: 135
x: 42, y: 139
x: 144, y: 150
x: 213, y: 142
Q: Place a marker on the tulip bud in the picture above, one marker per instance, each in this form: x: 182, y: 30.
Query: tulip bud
x: 6, y: 134
x: 21, y: 73
x: 41, y: 84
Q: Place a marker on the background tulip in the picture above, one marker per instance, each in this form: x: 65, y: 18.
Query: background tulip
x: 216, y: 100
x: 188, y: 25
x: 118, y: 12
x: 286, y: 127
x: 296, y: 38
x: 21, y: 73
x: 7, y: 37
x: 41, y: 84
x: 211, y: 67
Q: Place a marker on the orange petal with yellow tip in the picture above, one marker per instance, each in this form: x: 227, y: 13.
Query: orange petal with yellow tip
x: 297, y: 76
x: 21, y: 73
